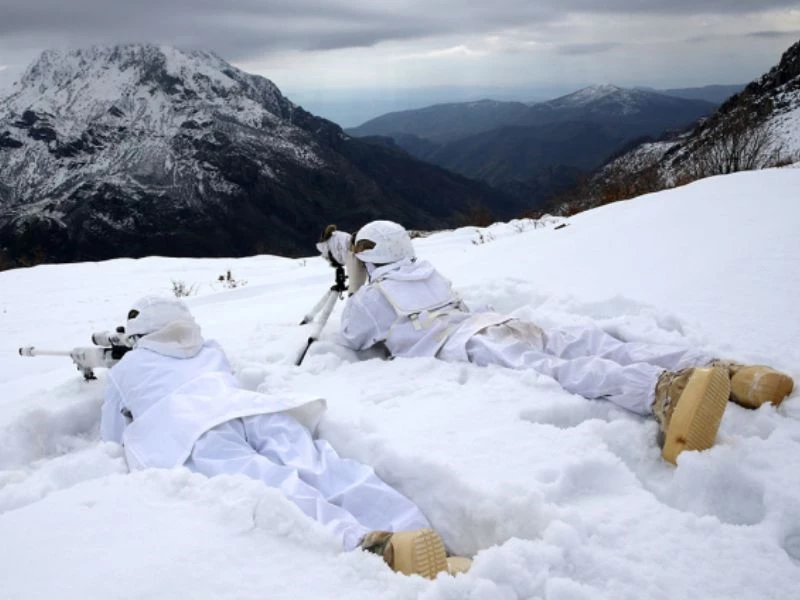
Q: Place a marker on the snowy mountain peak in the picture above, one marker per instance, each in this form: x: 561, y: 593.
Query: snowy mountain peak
x: 144, y: 149
x: 117, y: 132
x: 593, y: 94
x: 611, y: 99
x: 144, y: 80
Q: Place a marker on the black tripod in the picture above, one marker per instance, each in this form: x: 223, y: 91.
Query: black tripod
x: 325, y: 306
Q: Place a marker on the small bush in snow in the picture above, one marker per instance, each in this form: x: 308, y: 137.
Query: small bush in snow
x: 229, y: 281
x: 181, y: 289
x: 482, y: 237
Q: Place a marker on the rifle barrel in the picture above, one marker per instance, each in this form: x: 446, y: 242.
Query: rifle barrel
x: 32, y: 351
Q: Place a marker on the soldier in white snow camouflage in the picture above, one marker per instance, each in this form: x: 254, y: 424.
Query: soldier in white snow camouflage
x: 173, y: 400
x: 412, y: 310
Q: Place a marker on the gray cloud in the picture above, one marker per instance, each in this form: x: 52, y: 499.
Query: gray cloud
x: 769, y: 35
x: 587, y: 48
x: 775, y: 34
x: 243, y: 29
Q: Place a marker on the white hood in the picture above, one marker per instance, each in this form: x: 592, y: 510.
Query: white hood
x: 179, y: 339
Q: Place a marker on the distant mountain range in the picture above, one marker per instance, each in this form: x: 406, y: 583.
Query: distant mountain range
x: 711, y: 93
x: 755, y: 128
x: 518, y: 147
x: 139, y: 149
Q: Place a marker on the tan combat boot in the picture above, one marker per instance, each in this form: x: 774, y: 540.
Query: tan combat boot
x: 458, y: 564
x: 753, y: 385
x: 419, y: 552
x: 689, y: 405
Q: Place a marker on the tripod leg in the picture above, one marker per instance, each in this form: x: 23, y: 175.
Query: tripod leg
x: 326, y: 313
x: 317, y: 307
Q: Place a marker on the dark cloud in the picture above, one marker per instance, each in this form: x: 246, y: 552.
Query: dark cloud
x: 702, y: 39
x: 696, y: 7
x: 769, y: 35
x: 775, y: 34
x: 587, y: 48
x: 242, y: 29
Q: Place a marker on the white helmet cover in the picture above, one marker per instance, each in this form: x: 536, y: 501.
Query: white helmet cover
x: 152, y: 313
x: 336, y: 247
x: 392, y: 243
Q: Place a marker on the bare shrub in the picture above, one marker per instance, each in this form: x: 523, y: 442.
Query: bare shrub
x: 36, y: 256
x: 482, y: 237
x: 181, y: 289
x: 786, y: 161
x: 621, y: 183
x: 5, y: 261
x: 228, y: 281
x: 739, y: 143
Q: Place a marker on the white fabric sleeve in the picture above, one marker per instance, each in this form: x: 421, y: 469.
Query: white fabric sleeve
x: 356, y: 273
x: 224, y: 360
x: 112, y: 421
x: 339, y: 247
x: 358, y: 329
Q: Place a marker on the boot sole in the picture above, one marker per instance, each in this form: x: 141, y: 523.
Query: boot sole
x: 458, y: 564
x: 697, y: 415
x: 419, y: 553
x: 771, y: 386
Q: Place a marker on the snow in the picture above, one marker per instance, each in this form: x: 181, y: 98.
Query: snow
x: 556, y: 496
x: 784, y: 125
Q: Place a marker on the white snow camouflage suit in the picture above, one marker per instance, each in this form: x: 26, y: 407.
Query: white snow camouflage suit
x: 411, y: 308
x: 173, y: 400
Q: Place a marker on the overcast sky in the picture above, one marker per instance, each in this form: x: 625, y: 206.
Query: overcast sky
x: 322, y: 47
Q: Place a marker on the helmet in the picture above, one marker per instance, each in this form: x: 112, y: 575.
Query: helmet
x: 382, y: 242
x: 152, y: 313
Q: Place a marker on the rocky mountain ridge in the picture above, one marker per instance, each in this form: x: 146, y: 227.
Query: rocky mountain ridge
x: 141, y: 149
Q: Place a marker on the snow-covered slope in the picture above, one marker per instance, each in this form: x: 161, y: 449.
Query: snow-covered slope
x: 776, y: 96
x: 95, y: 84
x: 558, y: 497
x: 771, y: 102
x: 100, y: 145
x: 114, y: 111
x: 775, y: 99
